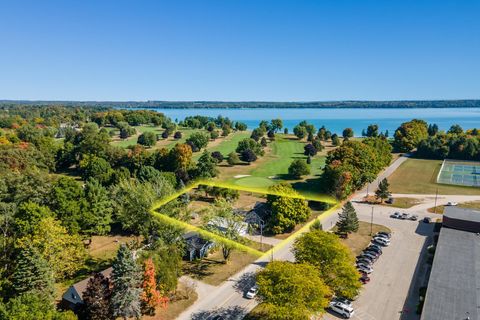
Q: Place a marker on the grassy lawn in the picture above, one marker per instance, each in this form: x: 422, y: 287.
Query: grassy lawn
x: 225, y: 145
x: 359, y: 240
x: 273, y: 167
x: 105, y: 247
x: 403, y: 202
x: 213, y: 270
x: 419, y: 176
x: 165, y: 143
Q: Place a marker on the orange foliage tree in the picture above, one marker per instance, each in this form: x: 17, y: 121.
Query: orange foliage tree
x: 151, y: 296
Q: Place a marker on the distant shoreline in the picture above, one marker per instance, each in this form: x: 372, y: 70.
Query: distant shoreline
x: 408, y: 104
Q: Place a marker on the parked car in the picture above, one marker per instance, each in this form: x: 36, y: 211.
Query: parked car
x: 413, y: 217
x: 451, y: 203
x: 345, y: 301
x: 381, y: 242
x: 404, y: 216
x: 389, y: 200
x: 376, y: 246
x: 381, y: 238
x: 396, y: 215
x: 365, y: 261
x: 252, y: 293
x: 364, y: 278
x: 427, y: 220
x: 365, y: 269
x: 373, y: 250
x: 370, y: 255
x: 383, y: 233
x: 342, y: 309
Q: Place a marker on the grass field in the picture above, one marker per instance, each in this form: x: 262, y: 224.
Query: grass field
x: 165, y: 143
x: 403, y: 202
x: 273, y: 167
x: 418, y: 176
x: 224, y: 145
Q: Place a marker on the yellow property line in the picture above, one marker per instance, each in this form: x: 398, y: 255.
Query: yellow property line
x: 234, y: 244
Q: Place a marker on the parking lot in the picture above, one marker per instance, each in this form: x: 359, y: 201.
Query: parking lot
x: 386, y: 296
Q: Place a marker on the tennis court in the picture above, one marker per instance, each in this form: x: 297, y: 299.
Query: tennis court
x: 460, y: 172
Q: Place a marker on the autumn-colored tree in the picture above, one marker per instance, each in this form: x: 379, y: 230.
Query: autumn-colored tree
x: 180, y: 157
x: 151, y: 296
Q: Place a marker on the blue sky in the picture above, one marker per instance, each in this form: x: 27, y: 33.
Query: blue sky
x: 239, y: 50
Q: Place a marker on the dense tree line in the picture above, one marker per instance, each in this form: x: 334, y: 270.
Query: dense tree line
x: 355, y: 163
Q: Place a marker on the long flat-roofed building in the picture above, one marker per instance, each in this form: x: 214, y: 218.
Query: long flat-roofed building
x: 454, y: 285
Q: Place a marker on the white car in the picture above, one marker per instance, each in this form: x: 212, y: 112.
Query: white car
x: 364, y: 268
x: 451, y: 203
x: 381, y: 241
x: 252, y: 293
x: 396, y: 215
x: 342, y: 300
x: 342, y: 309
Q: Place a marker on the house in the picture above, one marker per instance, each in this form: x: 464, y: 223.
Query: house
x: 258, y: 216
x: 73, y: 297
x: 453, y: 285
x: 195, y: 246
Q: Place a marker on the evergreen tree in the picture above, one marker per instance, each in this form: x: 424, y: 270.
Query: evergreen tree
x: 97, y: 298
x: 347, y: 219
x: 206, y: 166
x: 382, y: 191
x: 98, y: 209
x: 151, y: 296
x: 126, y: 285
x: 33, y: 274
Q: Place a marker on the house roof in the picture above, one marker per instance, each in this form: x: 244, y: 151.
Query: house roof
x: 81, y: 286
x: 454, y: 284
x: 194, y: 240
x: 458, y: 213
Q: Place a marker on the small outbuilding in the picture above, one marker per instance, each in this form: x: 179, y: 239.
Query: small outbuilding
x: 195, y: 246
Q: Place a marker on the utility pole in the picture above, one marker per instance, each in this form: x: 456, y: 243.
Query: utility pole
x: 371, y: 222
x: 436, y: 196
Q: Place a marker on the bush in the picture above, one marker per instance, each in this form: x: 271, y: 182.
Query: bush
x: 233, y: 159
x: 147, y: 139
x: 248, y: 156
x: 177, y: 135
x: 214, y: 135
x: 218, y: 156
x: 298, y: 168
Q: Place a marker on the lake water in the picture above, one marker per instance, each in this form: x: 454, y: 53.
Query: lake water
x: 336, y: 120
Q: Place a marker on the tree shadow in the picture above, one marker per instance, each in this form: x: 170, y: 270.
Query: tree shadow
x: 230, y: 313
x: 200, y: 269
x: 245, y: 282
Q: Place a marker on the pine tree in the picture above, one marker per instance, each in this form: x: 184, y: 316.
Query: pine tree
x: 97, y: 298
x: 382, y: 191
x: 151, y: 296
x: 126, y: 285
x: 347, y: 219
x: 33, y: 274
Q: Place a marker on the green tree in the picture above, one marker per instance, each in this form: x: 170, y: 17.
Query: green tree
x: 33, y: 274
x: 97, y: 168
x: 250, y: 144
x: 409, y: 134
x: 64, y: 252
x: 298, y: 168
x: 67, y: 201
x: 331, y: 258
x: 126, y: 278
x: 148, y: 139
x: 233, y: 158
x: 28, y: 217
x: 347, y: 133
x: 97, y: 298
x: 97, y: 210
x: 296, y: 286
x: 300, y: 132
x: 32, y: 306
x: 276, y: 125
x: 382, y: 191
x: 372, y: 131
x: 335, y: 140
x: 347, y: 219
x: 198, y: 141
x: 287, y: 208
x: 206, y: 166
